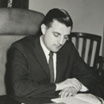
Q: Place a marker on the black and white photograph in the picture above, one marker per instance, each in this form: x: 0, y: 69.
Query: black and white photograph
x: 51, y: 51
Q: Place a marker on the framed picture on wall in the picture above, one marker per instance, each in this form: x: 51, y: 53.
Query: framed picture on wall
x: 14, y: 3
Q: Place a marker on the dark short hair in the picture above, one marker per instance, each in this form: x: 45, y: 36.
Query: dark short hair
x: 59, y: 15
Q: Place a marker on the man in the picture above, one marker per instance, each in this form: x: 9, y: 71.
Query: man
x: 30, y: 73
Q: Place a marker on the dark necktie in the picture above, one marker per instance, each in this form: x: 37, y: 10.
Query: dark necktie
x: 51, y: 67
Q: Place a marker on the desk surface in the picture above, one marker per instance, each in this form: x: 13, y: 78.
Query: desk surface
x: 79, y: 99
x: 20, y: 100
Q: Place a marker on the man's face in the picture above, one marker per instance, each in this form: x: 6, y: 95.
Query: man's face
x: 55, y: 36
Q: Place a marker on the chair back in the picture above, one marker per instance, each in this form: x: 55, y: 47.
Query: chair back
x: 14, y: 25
x: 88, y: 46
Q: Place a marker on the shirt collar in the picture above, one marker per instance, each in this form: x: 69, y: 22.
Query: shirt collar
x: 46, y: 51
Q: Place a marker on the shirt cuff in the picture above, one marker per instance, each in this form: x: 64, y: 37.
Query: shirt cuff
x: 83, y: 89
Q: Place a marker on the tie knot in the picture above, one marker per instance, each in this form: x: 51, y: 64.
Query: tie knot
x: 51, y: 54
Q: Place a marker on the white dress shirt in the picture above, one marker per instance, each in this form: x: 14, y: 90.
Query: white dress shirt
x: 46, y: 52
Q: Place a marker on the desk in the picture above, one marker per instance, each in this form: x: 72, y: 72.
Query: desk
x: 21, y: 100
x: 78, y: 99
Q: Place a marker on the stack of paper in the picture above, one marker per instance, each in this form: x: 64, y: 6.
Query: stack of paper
x: 78, y: 99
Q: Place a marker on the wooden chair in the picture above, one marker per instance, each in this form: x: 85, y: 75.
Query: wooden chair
x: 88, y: 46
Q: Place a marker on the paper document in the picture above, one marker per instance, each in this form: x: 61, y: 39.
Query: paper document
x: 78, y: 99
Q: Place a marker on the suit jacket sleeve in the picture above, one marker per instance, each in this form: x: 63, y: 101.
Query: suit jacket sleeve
x: 82, y: 71
x: 20, y: 83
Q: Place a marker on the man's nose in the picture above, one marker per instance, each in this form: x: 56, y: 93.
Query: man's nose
x: 61, y: 41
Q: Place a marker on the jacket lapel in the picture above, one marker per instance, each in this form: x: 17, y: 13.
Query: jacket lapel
x: 61, y: 66
x: 40, y: 56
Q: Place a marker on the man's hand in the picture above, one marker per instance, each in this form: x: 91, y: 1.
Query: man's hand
x: 68, y: 92
x: 71, y: 82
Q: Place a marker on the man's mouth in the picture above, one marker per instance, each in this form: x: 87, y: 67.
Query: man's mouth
x: 58, y: 46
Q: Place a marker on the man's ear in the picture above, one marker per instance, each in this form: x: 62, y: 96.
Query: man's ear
x: 43, y: 28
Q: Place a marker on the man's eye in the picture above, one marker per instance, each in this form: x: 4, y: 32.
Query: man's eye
x: 56, y: 35
x: 66, y: 37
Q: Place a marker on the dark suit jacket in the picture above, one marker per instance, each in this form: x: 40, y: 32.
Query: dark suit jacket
x: 29, y: 73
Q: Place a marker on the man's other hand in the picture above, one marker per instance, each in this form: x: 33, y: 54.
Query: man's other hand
x: 68, y: 92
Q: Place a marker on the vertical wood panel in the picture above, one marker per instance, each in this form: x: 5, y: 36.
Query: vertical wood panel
x: 20, y: 4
